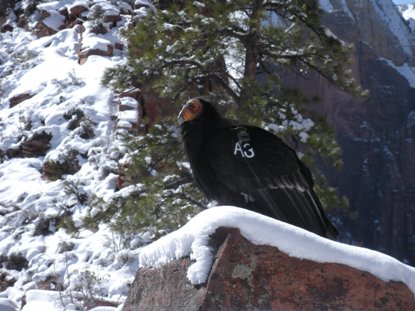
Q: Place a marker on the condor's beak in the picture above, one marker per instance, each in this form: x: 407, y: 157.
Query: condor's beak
x: 181, y: 117
x: 190, y: 111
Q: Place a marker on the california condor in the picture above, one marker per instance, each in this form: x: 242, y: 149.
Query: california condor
x: 249, y: 167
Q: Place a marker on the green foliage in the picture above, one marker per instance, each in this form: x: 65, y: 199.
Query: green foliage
x: 68, y: 164
x: 66, y: 222
x: 77, y: 119
x: 96, y: 19
x: 159, y: 195
x: 87, y: 283
x: 239, y: 55
x: 181, y: 50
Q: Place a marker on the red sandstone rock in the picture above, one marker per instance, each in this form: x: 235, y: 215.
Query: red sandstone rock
x: 245, y: 276
x: 84, y: 54
x: 119, y: 46
x: 15, y: 100
x: 156, y: 107
x: 35, y: 146
x: 77, y: 9
x: 46, y: 27
x: 134, y: 92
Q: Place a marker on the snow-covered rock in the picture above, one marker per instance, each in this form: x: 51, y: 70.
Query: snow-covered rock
x: 8, y: 305
x: 192, y: 240
x: 264, y: 264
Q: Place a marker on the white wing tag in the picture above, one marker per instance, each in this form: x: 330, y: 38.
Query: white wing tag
x: 243, y: 145
x: 246, y: 150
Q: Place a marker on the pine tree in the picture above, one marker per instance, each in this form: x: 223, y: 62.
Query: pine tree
x: 157, y: 194
x: 238, y: 54
x: 188, y: 48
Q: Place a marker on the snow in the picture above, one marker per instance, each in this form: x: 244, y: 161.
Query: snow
x: 390, y: 14
x: 143, y: 2
x: 47, y: 68
x: 54, y: 21
x: 43, y: 300
x: 107, y: 8
x: 410, y: 120
x: 59, y: 5
x: 192, y: 239
x: 129, y: 102
x: 7, y: 305
x: 26, y: 172
x: 404, y: 70
x: 326, y: 5
x: 408, y: 11
x: 95, y: 43
x: 128, y: 115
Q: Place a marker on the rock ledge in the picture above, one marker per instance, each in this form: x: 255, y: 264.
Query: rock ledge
x: 246, y: 276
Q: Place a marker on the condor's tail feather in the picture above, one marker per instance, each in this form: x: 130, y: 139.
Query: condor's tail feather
x: 299, y: 208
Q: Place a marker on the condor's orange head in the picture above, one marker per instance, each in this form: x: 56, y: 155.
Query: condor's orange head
x: 190, y: 111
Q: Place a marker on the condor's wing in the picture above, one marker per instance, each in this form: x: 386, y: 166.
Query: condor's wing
x: 252, y: 162
x: 261, y: 161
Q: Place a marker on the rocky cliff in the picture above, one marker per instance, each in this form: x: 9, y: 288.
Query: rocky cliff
x: 376, y: 132
x: 377, y: 23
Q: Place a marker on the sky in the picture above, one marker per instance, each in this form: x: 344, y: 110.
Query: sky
x: 403, y: 1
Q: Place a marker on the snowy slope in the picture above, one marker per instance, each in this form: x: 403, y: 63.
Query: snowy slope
x: 47, y: 70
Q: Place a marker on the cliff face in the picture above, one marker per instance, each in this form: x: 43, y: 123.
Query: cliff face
x: 377, y: 133
x: 378, y: 23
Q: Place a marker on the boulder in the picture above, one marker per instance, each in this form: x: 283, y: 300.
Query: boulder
x: 17, y: 99
x: 129, y: 99
x: 77, y: 10
x: 35, y: 146
x: 94, y: 46
x: 6, y: 27
x: 50, y: 23
x: 129, y: 111
x: 245, y: 276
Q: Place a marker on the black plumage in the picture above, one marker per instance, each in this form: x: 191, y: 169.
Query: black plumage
x: 249, y: 167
